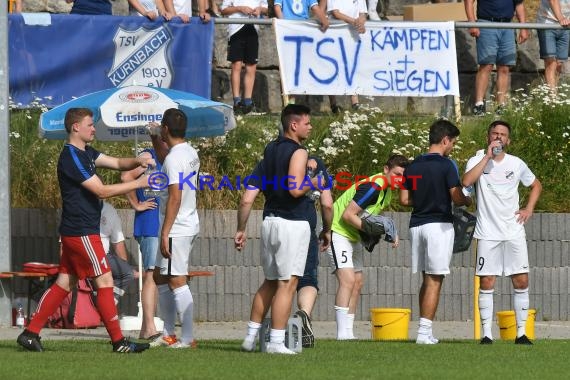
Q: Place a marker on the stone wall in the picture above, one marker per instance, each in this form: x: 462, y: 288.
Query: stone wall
x: 388, y: 279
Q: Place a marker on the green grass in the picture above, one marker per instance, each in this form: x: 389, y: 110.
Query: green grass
x: 221, y: 359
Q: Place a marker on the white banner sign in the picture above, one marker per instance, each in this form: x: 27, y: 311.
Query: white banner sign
x: 395, y: 59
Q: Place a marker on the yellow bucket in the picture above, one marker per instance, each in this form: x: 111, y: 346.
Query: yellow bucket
x: 390, y: 324
x: 508, y: 324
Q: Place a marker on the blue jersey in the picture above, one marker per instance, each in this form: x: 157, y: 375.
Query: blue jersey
x: 429, y: 179
x: 92, y: 7
x: 496, y: 9
x: 146, y: 222
x: 296, y: 9
x: 308, y: 209
x: 81, y: 209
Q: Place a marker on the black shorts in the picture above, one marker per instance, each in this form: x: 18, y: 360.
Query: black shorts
x: 244, y: 45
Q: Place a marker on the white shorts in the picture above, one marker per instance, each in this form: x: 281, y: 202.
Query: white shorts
x: 432, y: 247
x: 343, y: 254
x: 284, y: 247
x: 177, y: 265
x: 503, y: 256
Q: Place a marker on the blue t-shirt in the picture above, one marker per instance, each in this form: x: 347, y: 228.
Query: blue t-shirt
x: 296, y: 9
x: 92, y: 7
x: 146, y: 222
x: 81, y: 210
x: 308, y: 209
x: 487, y: 9
x: 429, y: 179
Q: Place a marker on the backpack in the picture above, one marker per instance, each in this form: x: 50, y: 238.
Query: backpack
x: 77, y: 311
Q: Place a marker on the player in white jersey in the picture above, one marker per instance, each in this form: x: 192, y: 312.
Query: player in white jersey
x: 500, y: 224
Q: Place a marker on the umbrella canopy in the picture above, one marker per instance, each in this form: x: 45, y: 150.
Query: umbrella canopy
x: 121, y: 113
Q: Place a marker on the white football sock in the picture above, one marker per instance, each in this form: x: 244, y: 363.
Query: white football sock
x: 350, y: 325
x: 486, y: 311
x: 341, y: 321
x: 424, y: 327
x: 185, y: 308
x: 277, y: 336
x: 252, y: 330
x: 167, y: 309
x: 521, y: 302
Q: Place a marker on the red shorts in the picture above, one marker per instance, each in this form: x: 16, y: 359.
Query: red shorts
x: 83, y: 256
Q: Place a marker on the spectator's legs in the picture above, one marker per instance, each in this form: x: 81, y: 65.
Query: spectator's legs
x: 552, y: 68
x: 236, y: 80
x: 149, y: 297
x: 502, y: 84
x: 249, y: 80
x: 481, y: 83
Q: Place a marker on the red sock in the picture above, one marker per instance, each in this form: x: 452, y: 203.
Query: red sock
x: 49, y: 303
x: 108, y: 310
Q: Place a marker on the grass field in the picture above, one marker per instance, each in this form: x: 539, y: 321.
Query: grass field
x: 221, y: 359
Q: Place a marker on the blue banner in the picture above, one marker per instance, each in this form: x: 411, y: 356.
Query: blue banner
x: 71, y: 55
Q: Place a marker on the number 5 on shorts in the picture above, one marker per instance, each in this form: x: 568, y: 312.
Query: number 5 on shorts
x: 344, y: 257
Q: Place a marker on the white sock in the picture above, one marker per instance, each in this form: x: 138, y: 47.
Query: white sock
x: 521, y: 302
x: 167, y: 309
x: 277, y: 336
x: 424, y: 327
x: 185, y: 308
x: 252, y: 330
x: 350, y: 325
x: 341, y: 321
x: 486, y: 311
x: 479, y: 103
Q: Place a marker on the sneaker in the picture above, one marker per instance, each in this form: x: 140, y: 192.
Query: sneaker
x: 307, y: 329
x: 523, y: 339
x: 164, y: 341
x: 355, y: 106
x: 278, y: 348
x: 248, y: 345
x: 30, y: 341
x: 479, y: 110
x: 336, y: 109
x: 501, y: 108
x: 125, y: 346
x: 238, y: 108
x: 424, y: 339
x: 486, y: 340
x: 179, y: 344
x: 245, y: 109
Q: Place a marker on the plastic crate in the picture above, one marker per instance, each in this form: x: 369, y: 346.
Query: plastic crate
x: 464, y: 226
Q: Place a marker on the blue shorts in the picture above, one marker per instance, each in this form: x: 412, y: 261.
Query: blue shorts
x: 149, y: 248
x: 496, y: 46
x: 554, y: 43
x: 311, y: 266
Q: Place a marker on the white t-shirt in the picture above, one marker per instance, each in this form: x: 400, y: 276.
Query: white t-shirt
x: 546, y: 15
x: 182, y: 166
x: 111, y: 228
x: 350, y: 8
x: 183, y: 7
x: 234, y: 28
x: 498, y: 197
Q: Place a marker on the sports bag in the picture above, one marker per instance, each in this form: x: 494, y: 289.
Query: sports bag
x: 77, y: 311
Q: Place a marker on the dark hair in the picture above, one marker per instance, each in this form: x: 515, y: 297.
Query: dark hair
x: 440, y: 129
x: 75, y: 115
x: 498, y: 122
x: 397, y: 160
x: 293, y: 112
x: 176, y: 121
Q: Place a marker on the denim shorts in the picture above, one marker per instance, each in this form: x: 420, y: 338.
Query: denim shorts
x: 554, y: 43
x: 496, y: 46
x: 149, y: 248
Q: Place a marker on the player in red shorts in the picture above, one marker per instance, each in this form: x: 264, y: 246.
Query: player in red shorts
x: 83, y: 255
